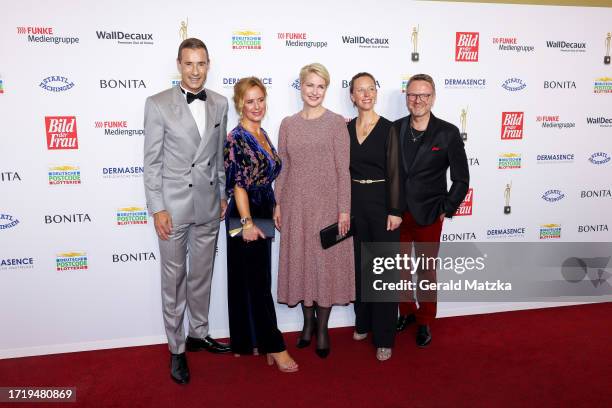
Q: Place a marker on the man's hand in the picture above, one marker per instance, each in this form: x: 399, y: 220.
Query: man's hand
x: 223, y: 208
x: 393, y: 222
x: 442, y: 216
x: 163, y: 224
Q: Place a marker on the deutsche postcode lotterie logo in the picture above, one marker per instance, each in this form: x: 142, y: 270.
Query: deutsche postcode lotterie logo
x: 509, y: 161
x: 64, y: 175
x: 71, y: 261
x: 246, y: 40
x: 550, y: 231
x: 131, y: 216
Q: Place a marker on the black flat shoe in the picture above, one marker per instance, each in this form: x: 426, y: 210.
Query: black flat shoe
x: 207, y: 343
x: 423, y: 337
x: 404, y: 321
x: 301, y: 343
x: 322, y: 352
x: 179, y: 371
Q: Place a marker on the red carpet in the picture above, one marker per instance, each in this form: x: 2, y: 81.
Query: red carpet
x: 558, y: 357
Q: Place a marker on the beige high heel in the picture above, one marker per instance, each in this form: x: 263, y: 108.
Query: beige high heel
x: 290, y: 367
x: 359, y: 336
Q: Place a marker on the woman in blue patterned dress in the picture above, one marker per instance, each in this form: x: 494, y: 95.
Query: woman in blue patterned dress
x: 251, y: 165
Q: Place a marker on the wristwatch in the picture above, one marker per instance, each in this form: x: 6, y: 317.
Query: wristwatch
x: 245, y: 220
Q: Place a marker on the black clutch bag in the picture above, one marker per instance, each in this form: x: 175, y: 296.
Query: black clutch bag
x: 266, y: 225
x: 330, y: 237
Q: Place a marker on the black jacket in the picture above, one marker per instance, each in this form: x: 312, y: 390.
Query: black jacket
x: 424, y: 188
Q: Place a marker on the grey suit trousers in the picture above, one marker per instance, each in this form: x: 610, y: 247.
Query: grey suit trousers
x: 187, y: 288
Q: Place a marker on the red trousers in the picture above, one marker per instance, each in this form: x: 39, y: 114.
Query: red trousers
x: 412, y: 234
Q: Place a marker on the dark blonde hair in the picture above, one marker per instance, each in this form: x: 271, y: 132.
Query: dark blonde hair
x: 242, y: 86
x: 360, y: 75
x: 422, y: 77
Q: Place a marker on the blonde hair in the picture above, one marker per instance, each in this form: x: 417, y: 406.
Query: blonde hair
x: 242, y: 86
x: 314, y: 68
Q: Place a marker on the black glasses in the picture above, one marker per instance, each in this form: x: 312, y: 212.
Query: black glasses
x: 421, y: 97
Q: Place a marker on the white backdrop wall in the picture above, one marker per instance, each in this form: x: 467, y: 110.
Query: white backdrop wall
x: 115, y: 299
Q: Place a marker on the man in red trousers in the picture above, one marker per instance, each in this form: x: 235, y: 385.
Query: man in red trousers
x: 429, y: 147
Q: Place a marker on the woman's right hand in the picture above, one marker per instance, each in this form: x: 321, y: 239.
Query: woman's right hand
x: 277, y: 217
x: 252, y: 233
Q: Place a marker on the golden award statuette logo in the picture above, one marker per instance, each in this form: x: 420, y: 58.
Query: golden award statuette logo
x: 463, y: 121
x: 415, y: 43
x: 507, y: 208
x: 607, y: 56
x: 183, y: 29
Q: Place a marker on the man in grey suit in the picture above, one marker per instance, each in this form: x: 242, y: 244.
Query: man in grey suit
x: 184, y: 178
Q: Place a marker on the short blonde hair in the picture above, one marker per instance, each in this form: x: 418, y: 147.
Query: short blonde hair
x: 314, y: 68
x: 242, y: 86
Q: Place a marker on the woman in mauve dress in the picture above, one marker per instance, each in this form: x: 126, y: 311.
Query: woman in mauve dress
x: 313, y: 191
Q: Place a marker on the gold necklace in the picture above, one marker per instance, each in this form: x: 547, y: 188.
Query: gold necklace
x: 367, y: 129
x: 261, y: 139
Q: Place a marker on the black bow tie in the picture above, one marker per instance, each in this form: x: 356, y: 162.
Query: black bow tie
x: 192, y: 97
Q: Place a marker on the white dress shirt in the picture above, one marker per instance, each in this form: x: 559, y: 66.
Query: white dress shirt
x: 198, y: 111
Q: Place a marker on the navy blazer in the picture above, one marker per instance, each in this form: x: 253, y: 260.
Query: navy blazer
x: 424, y: 188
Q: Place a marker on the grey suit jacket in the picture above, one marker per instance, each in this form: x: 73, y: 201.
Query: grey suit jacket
x: 183, y: 173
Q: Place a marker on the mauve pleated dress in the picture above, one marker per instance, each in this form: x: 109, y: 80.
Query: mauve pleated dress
x: 312, y: 189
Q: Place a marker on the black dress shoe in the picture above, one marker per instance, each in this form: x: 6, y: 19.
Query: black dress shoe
x: 179, y: 371
x: 208, y: 344
x: 404, y: 321
x: 423, y: 337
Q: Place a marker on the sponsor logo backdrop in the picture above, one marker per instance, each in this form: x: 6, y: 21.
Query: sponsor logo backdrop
x: 78, y: 253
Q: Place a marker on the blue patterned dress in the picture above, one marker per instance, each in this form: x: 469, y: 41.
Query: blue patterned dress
x: 252, y: 317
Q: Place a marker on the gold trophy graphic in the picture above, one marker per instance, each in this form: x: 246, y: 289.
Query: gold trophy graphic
x: 183, y: 29
x: 607, y: 56
x: 463, y: 120
x: 507, y: 208
x: 415, y: 40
